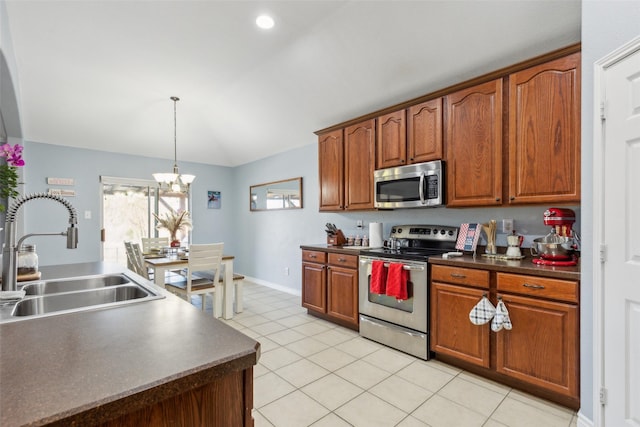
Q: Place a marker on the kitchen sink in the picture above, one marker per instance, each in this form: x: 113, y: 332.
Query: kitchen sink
x: 75, y: 284
x: 74, y: 294
x: 73, y: 300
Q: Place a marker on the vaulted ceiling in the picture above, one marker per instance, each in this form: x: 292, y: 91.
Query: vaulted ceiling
x: 99, y: 74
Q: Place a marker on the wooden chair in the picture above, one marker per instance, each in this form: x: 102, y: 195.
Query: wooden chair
x: 135, y: 259
x: 202, y: 277
x: 151, y: 243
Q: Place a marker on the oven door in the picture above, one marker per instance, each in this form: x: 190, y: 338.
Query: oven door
x: 410, y: 313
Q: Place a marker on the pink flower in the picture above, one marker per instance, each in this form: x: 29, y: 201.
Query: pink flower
x: 12, y: 154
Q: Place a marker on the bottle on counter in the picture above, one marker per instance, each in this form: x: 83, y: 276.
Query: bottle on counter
x: 27, y: 260
x: 358, y: 241
x: 365, y: 241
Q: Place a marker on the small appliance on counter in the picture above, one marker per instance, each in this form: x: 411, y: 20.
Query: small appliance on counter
x: 558, y: 247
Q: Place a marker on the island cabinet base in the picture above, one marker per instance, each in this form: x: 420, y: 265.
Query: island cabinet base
x: 225, y: 402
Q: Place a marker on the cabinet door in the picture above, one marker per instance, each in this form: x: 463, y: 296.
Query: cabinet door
x: 474, y: 145
x: 359, y: 149
x: 544, y: 133
x: 542, y: 346
x: 391, y: 144
x: 342, y: 294
x: 314, y: 286
x: 331, y: 170
x: 425, y: 131
x: 452, y: 333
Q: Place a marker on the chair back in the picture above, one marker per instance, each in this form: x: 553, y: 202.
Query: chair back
x: 150, y: 243
x: 136, y: 259
x: 205, y: 258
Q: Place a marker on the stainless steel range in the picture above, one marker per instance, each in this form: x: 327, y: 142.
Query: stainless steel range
x: 403, y: 325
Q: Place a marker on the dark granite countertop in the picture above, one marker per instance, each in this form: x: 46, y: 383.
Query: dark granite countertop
x: 523, y: 266
x: 351, y: 250
x: 86, y: 367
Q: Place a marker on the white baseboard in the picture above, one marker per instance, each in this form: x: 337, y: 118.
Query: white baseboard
x: 274, y: 286
x: 584, y: 421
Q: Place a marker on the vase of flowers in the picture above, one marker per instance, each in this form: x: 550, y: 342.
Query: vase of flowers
x: 174, y: 221
x: 9, y: 172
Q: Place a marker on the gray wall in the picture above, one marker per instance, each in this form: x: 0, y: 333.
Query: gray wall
x: 606, y: 25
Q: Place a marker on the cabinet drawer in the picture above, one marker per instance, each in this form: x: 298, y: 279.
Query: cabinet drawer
x: 350, y: 261
x: 562, y: 290
x: 314, y: 256
x: 460, y: 276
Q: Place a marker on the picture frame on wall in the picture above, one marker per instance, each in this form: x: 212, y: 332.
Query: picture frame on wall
x: 214, y: 200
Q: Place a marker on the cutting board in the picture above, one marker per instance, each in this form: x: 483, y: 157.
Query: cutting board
x: 28, y: 277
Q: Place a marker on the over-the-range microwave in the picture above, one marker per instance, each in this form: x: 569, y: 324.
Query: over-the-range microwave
x: 413, y: 186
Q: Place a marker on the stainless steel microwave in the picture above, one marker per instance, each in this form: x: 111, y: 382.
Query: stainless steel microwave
x: 412, y: 186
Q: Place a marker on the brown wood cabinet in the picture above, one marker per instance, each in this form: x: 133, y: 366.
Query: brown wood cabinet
x: 346, y: 161
x: 544, y: 133
x: 539, y: 354
x: 359, y: 156
x: 474, y: 145
x: 330, y: 286
x: 542, y: 348
x: 331, y: 170
x: 391, y: 143
x: 454, y: 292
x: 424, y: 131
x: 412, y: 135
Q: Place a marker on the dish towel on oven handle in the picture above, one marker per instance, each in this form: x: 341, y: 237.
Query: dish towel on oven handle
x: 378, y: 282
x: 482, y: 312
x: 397, y: 279
x: 501, y: 319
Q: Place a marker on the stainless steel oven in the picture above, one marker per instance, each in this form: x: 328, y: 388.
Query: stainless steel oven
x: 403, y: 325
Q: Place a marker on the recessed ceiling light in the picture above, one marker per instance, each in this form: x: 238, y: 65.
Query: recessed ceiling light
x: 265, y: 22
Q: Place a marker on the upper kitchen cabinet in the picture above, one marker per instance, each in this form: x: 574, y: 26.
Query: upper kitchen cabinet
x: 331, y: 170
x: 413, y: 135
x: 391, y: 146
x: 359, y: 155
x: 346, y: 164
x: 473, y: 144
x: 424, y: 131
x: 544, y: 132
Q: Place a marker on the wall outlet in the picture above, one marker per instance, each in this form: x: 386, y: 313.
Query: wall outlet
x: 359, y: 223
x: 286, y: 271
x: 507, y: 226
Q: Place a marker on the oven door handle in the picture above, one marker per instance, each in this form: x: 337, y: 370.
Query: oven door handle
x: 405, y: 267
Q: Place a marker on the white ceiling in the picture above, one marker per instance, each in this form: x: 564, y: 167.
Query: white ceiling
x: 99, y: 74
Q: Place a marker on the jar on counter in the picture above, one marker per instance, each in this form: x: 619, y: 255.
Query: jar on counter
x: 27, y: 260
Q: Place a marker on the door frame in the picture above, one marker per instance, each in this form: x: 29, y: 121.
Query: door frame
x: 598, y: 251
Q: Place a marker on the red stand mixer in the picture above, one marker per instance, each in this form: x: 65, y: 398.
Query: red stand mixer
x: 558, y: 247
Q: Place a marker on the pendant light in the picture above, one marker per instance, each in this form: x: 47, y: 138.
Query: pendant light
x: 174, y: 180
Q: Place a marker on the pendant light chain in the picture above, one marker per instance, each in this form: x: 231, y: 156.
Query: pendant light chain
x: 175, y: 132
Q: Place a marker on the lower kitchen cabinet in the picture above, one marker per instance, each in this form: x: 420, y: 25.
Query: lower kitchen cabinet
x: 330, y: 286
x: 540, y: 354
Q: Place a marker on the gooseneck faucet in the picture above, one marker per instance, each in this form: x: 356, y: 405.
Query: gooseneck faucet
x: 10, y: 251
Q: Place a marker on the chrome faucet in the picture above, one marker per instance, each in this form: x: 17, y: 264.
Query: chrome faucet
x: 10, y: 251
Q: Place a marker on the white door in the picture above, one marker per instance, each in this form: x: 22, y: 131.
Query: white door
x: 621, y: 240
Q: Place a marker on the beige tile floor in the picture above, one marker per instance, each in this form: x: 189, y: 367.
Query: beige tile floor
x: 314, y: 373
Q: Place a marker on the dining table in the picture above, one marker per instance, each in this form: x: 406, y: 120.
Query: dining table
x: 161, y: 264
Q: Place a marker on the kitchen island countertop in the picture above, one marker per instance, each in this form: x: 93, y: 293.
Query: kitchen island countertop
x: 88, y: 367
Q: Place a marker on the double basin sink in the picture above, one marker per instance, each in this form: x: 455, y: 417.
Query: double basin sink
x: 73, y: 294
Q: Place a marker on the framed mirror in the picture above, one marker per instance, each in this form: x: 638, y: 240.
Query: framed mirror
x: 285, y: 194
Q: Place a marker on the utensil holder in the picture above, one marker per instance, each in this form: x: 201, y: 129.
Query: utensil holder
x: 337, y: 239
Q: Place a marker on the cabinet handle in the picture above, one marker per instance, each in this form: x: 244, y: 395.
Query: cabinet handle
x: 512, y: 198
x: 532, y: 286
x: 497, y: 199
x: 342, y: 260
x: 458, y: 276
x: 312, y: 256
